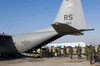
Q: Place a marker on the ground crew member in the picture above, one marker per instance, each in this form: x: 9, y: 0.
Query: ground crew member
x: 70, y: 52
x: 86, y: 51
x: 78, y: 51
x: 48, y: 52
x: 41, y: 53
x: 59, y: 51
x: 64, y: 51
x: 90, y: 51
x: 56, y: 52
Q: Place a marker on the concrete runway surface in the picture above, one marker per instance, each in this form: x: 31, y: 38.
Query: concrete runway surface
x: 55, y: 61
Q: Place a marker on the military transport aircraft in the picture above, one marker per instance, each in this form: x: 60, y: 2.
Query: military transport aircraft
x: 69, y: 21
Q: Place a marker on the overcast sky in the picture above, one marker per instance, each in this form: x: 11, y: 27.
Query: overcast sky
x: 23, y: 16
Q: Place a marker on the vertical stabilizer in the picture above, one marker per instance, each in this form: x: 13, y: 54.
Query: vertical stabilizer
x: 71, y: 13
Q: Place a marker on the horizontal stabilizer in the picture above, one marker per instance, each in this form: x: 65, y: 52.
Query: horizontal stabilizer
x: 64, y: 29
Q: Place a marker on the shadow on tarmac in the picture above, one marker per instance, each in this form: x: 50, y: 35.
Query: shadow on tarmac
x: 14, y: 58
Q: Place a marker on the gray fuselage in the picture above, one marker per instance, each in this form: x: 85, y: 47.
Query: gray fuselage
x: 24, y: 42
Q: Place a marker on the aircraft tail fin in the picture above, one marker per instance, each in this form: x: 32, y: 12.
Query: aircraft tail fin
x: 71, y: 13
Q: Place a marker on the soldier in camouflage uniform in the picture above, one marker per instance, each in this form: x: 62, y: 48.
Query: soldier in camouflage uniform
x: 94, y: 54
x: 78, y: 51
x: 98, y: 51
x: 44, y: 52
x: 64, y: 51
x: 90, y: 51
x: 48, y: 54
x: 56, y: 51
x: 51, y: 52
x: 41, y: 53
x: 86, y: 52
x: 59, y: 51
x: 70, y: 52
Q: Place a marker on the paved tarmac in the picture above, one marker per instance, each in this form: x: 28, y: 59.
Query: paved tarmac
x: 55, y: 61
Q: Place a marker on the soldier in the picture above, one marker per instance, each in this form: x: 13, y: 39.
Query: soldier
x: 56, y: 52
x: 70, y: 52
x: 94, y: 54
x: 59, y: 51
x: 64, y: 51
x: 90, y: 51
x: 51, y: 52
x: 44, y: 52
x: 78, y: 51
x: 86, y: 52
x: 41, y: 53
x: 98, y: 51
x: 48, y: 52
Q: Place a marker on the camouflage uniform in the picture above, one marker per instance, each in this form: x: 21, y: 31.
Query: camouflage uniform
x: 98, y: 52
x: 70, y: 52
x: 41, y: 53
x: 51, y: 52
x: 78, y: 51
x: 59, y: 51
x: 95, y: 55
x: 90, y: 51
x: 86, y: 52
x: 48, y: 52
x: 44, y: 52
x: 64, y: 51
x: 94, y: 52
x: 56, y: 51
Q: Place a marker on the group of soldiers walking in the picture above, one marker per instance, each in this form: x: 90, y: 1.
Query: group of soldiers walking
x: 50, y: 52
x: 90, y: 52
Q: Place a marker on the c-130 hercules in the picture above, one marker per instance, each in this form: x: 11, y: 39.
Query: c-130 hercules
x: 69, y: 21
